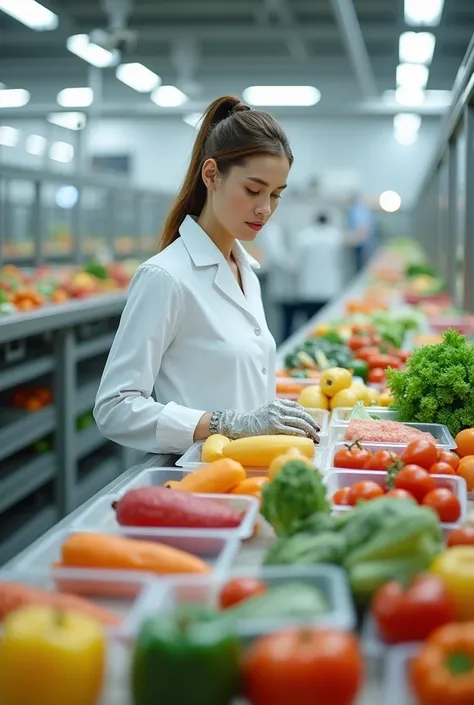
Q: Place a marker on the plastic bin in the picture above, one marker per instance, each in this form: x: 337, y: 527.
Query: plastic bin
x: 330, y: 580
x: 340, y: 416
x: 100, y: 516
x: 440, y: 432
x: 218, y: 549
x: 397, y: 688
x: 346, y: 478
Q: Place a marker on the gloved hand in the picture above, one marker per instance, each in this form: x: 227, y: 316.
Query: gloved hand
x: 280, y: 416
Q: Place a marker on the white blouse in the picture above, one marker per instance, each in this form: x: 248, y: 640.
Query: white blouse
x: 189, y: 332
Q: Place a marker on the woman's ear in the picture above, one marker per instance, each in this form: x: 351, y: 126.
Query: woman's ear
x: 209, y: 173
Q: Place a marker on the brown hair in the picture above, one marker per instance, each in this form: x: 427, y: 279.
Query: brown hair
x: 230, y: 132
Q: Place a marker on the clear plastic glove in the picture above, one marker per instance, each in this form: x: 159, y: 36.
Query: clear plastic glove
x: 278, y: 417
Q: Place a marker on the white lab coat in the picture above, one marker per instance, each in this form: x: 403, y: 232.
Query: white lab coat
x: 189, y: 332
x: 319, y: 261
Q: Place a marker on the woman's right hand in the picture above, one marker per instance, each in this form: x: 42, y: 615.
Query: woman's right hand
x: 279, y: 417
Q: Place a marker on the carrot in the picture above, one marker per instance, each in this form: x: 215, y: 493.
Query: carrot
x: 15, y: 595
x: 218, y: 477
x: 119, y: 553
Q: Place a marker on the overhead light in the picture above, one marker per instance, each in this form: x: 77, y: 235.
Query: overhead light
x: 405, y: 138
x: 408, y: 122
x: 138, y: 77
x: 412, y: 97
x: 71, y: 121
x: 67, y: 196
x: 423, y: 12
x: 81, y: 46
x: 14, y: 98
x: 35, y: 145
x: 416, y: 47
x: 193, y: 119
x: 61, y: 152
x: 413, y: 75
x: 168, y: 97
x: 390, y: 201
x: 282, y: 95
x: 30, y: 13
x: 9, y: 136
x: 75, y: 97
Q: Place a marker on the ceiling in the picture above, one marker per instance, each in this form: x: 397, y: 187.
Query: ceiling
x: 347, y: 48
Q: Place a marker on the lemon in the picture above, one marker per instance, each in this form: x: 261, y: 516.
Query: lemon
x: 313, y: 398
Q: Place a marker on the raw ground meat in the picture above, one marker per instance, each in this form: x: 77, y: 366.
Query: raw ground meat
x: 384, y: 432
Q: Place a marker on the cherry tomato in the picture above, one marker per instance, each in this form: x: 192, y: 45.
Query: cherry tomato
x: 465, y: 442
x: 462, y: 537
x: 358, y: 341
x: 466, y: 470
x: 365, y: 353
x: 415, y: 480
x: 381, y: 460
x: 422, y: 453
x: 376, y: 376
x: 403, y: 355
x: 341, y: 496
x: 441, y: 468
x: 383, y: 361
x: 353, y: 457
x: 400, y: 494
x: 445, y: 503
x: 240, y: 589
x: 445, y: 456
x: 364, y: 490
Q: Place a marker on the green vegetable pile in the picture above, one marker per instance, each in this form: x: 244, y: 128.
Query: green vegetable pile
x: 308, y: 354
x: 438, y: 384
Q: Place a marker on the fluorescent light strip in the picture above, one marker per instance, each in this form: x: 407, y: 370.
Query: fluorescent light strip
x: 168, y: 97
x: 9, y: 136
x: 31, y: 14
x: 282, y: 95
x: 81, y: 46
x: 75, y: 97
x: 423, y: 12
x: 14, y: 98
x: 416, y: 47
x: 70, y: 121
x: 61, y: 152
x: 410, y: 96
x: 138, y: 77
x: 412, y: 75
x: 35, y: 145
x: 407, y: 122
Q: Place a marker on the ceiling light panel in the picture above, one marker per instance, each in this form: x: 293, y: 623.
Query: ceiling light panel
x: 69, y: 120
x: 138, y: 77
x: 9, y: 136
x: 169, y: 97
x: 412, y: 75
x: 35, y: 145
x: 81, y: 46
x: 416, y: 47
x: 14, y: 98
x: 423, y: 12
x: 30, y: 13
x: 75, y: 97
x: 282, y: 95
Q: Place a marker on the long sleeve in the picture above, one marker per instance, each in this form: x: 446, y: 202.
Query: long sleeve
x: 125, y: 411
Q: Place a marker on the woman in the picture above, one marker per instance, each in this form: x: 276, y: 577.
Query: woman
x: 193, y: 328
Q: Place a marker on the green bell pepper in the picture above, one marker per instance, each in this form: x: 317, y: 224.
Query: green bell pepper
x: 359, y: 368
x: 187, y: 657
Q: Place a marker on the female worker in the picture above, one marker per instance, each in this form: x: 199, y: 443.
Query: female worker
x: 194, y: 329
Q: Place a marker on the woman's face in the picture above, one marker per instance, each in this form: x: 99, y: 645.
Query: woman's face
x: 244, y: 199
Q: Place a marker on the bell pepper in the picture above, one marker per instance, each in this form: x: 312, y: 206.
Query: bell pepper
x: 456, y: 568
x: 359, y: 368
x: 188, y: 657
x: 51, y: 657
x: 442, y: 672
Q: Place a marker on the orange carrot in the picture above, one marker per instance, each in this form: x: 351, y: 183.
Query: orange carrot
x: 218, y: 477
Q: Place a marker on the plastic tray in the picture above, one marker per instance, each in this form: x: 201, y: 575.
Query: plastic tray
x: 397, y: 690
x: 100, y: 516
x: 129, y: 587
x: 440, y: 432
x: 344, y: 478
x: 330, y: 579
x: 340, y: 416
x: 217, y: 549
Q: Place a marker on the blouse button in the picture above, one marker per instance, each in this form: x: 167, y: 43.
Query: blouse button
x: 258, y: 331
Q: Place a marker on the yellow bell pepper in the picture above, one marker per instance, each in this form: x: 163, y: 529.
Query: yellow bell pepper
x: 455, y: 567
x: 51, y: 657
x: 334, y: 380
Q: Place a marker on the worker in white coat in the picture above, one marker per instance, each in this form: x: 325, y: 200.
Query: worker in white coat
x: 193, y: 328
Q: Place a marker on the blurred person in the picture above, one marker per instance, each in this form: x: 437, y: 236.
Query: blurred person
x: 362, y: 237
x: 193, y: 330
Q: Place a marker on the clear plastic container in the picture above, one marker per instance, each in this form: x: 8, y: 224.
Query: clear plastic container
x: 340, y: 416
x: 329, y: 579
x: 397, y: 690
x: 337, y: 479
x: 218, y: 549
x: 440, y: 432
x: 101, y: 516
x: 394, y: 448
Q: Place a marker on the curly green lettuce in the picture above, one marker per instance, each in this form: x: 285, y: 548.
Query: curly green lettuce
x: 438, y: 384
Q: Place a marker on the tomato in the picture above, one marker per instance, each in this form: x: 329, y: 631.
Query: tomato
x: 376, y: 375
x: 403, y: 355
x: 400, y: 494
x: 240, y: 589
x: 383, y: 361
x: 466, y: 470
x: 412, y: 613
x: 415, y: 480
x: 445, y: 503
x: 422, y: 453
x: 462, y: 537
x: 441, y: 468
x: 375, y: 339
x: 358, y: 341
x: 364, y: 490
x: 303, y: 666
x: 341, y: 496
x: 353, y: 457
x: 381, y: 460
x: 445, y: 456
x: 465, y: 442
x: 369, y: 351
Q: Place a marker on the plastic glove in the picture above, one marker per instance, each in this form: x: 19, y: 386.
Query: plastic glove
x: 278, y: 417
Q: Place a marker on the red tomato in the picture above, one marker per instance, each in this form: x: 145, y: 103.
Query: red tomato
x: 415, y: 480
x: 411, y: 614
x: 302, y: 665
x: 240, y: 589
x: 375, y: 339
x: 445, y: 503
x: 376, y: 376
x: 422, y: 453
x: 364, y: 490
x: 445, y: 456
x: 401, y: 494
x: 365, y: 353
x: 381, y: 460
x: 383, y: 361
x: 442, y: 469
x: 353, y: 457
x: 358, y: 341
x: 462, y: 537
x: 341, y: 496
